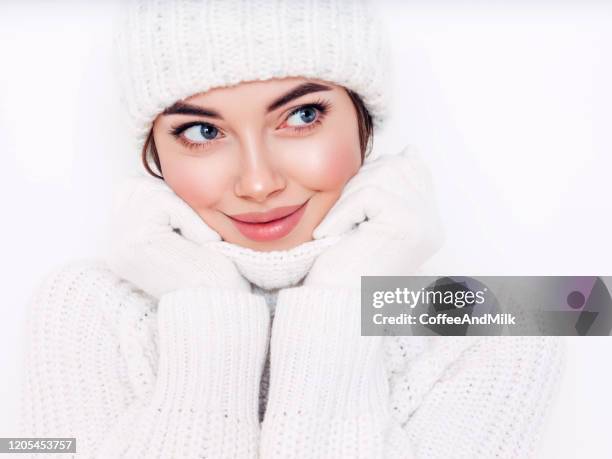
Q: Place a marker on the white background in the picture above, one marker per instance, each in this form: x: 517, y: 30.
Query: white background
x: 508, y: 101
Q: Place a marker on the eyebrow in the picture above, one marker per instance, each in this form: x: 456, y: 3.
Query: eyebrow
x: 298, y: 91
x: 182, y: 108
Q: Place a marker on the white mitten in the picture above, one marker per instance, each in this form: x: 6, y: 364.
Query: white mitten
x: 388, y: 215
x: 160, y: 244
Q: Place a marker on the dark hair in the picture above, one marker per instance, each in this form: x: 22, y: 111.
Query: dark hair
x: 364, y: 124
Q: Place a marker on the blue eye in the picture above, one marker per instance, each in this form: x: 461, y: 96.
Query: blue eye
x: 201, y: 133
x: 304, y: 114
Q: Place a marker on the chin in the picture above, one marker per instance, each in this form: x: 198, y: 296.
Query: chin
x: 285, y: 243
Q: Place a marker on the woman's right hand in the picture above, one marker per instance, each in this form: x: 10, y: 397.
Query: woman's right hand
x: 160, y: 244
x: 388, y: 220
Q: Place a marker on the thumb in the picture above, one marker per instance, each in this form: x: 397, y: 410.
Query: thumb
x: 187, y: 222
x: 152, y: 199
x: 352, y: 209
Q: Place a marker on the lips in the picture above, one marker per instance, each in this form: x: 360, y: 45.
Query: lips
x: 263, y: 217
x: 270, y: 225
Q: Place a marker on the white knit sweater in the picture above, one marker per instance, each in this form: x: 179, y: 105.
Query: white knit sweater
x: 131, y: 376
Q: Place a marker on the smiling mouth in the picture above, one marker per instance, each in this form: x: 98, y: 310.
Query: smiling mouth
x: 262, y: 228
x: 268, y: 216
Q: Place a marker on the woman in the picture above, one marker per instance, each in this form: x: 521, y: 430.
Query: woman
x: 225, y: 320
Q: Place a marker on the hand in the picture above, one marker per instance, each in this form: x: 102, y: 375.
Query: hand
x: 160, y: 244
x: 389, y: 218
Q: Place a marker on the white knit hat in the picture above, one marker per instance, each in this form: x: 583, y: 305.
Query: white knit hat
x: 169, y: 50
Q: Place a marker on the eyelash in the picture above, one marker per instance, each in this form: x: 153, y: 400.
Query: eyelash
x: 322, y: 106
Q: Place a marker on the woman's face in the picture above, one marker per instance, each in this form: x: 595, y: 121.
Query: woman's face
x: 288, y: 143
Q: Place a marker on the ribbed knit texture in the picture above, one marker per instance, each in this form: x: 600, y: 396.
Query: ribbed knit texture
x: 278, y: 268
x: 268, y: 273
x: 168, y: 50
x: 328, y: 391
x: 130, y: 376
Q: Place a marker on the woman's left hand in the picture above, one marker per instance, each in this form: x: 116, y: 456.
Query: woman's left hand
x: 391, y: 201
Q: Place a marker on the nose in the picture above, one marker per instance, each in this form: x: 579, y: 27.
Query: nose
x: 259, y: 178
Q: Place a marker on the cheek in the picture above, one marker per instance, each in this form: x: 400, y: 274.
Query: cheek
x: 200, y: 183
x: 328, y: 166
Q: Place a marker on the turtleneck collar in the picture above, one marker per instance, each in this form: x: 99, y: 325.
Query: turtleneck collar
x: 278, y: 268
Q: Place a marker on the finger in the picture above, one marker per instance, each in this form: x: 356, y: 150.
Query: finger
x: 346, y: 212
x: 413, y: 221
x: 394, y: 216
x: 170, y: 213
x: 402, y: 176
x: 190, y: 224
x: 351, y: 210
x: 390, y: 172
x: 343, y: 216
